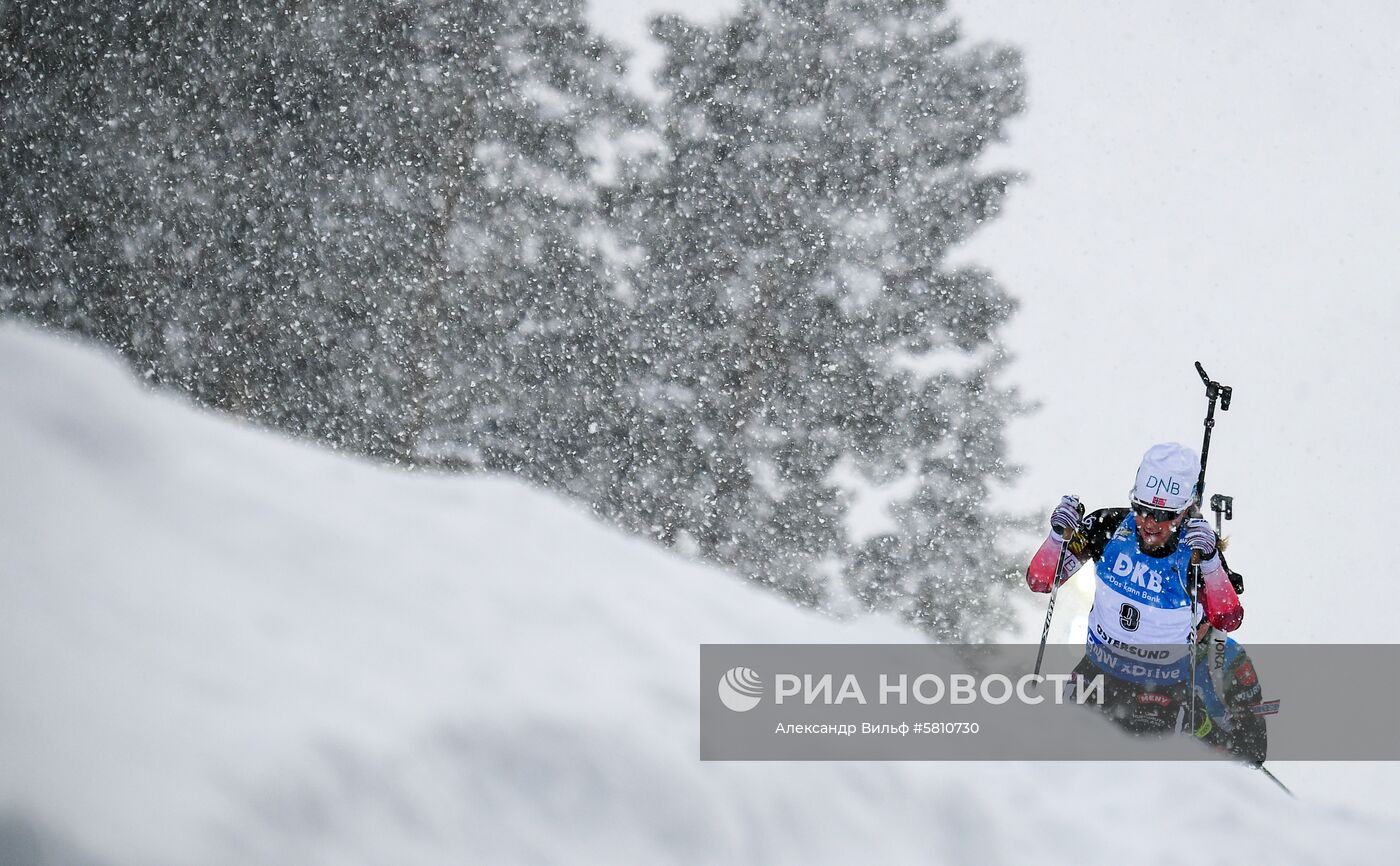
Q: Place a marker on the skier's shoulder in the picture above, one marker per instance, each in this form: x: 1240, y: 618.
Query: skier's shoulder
x: 1109, y: 518
x: 1098, y: 527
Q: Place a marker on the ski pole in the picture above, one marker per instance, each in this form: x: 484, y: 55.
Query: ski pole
x: 1192, y: 640
x: 1266, y: 772
x: 1214, y: 391
x: 1219, y: 504
x: 1050, y: 608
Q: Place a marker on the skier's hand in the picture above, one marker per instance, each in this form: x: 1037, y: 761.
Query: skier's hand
x: 1202, y: 726
x: 1065, y: 518
x: 1200, y: 537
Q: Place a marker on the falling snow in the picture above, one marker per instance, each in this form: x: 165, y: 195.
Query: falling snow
x: 450, y: 235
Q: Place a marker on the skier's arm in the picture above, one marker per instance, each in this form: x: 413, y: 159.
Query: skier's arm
x: 1086, y: 542
x: 1248, y: 736
x: 1041, y: 576
x: 1222, y: 603
x: 1249, y: 740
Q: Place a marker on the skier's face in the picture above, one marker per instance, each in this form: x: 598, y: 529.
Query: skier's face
x: 1153, y: 534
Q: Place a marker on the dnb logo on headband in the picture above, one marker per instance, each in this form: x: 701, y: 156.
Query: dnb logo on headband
x: 740, y: 689
x: 1164, y: 485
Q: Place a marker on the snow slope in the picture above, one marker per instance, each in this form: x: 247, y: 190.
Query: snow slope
x: 221, y: 646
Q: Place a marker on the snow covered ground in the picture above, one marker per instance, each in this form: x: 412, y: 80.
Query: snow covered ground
x: 219, y: 646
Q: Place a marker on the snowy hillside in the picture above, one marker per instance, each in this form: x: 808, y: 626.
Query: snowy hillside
x: 220, y: 646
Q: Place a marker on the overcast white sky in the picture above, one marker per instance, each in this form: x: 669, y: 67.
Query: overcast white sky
x: 1217, y: 182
